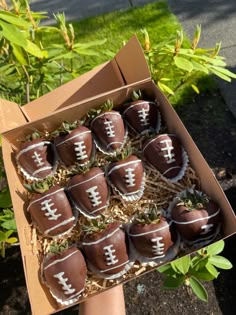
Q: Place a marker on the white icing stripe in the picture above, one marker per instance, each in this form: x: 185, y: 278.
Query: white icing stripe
x: 152, y: 231
x: 60, y: 224
x: 36, y: 200
x: 138, y: 104
x: 32, y: 146
x: 168, y: 135
x: 98, y: 209
x: 171, y: 168
x: 113, y: 143
x: 74, y: 295
x: 101, y: 239
x: 121, y: 165
x: 85, y: 181
x: 60, y: 260
x: 105, y: 113
x: 126, y: 262
x: 200, y: 219
x: 42, y: 169
x: 79, y: 134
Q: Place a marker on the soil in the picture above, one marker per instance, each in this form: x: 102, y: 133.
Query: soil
x: 213, y: 128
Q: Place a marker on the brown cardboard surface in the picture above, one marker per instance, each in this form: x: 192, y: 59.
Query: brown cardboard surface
x: 128, y: 66
x: 11, y: 115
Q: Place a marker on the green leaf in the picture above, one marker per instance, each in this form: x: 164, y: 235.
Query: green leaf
x: 165, y: 88
x: 183, y: 63
x: 11, y: 240
x: 220, y: 262
x: 86, y: 52
x: 199, y: 67
x: 2, y: 237
x: 220, y: 74
x: 5, y: 198
x: 19, y: 54
x: 13, y: 19
x: 198, y: 289
x: 164, y: 268
x: 195, y: 88
x: 173, y: 283
x: 182, y: 264
x: 202, y: 274
x: 13, y: 34
x: 9, y: 225
x: 212, y: 269
x: 34, y: 50
x: 225, y: 71
x: 215, y: 248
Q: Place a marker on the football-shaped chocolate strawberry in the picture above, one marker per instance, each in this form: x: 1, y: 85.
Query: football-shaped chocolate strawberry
x: 151, y: 237
x: 75, y: 146
x: 127, y: 177
x: 196, y: 217
x: 142, y: 116
x: 51, y: 212
x: 109, y: 131
x: 36, y: 159
x: 65, y: 274
x: 106, y: 251
x: 89, y: 192
x: 164, y: 152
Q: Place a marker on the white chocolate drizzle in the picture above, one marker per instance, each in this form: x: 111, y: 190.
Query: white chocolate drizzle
x: 67, y: 288
x: 168, y: 148
x: 110, y: 256
x: 206, y: 228
x: 80, y: 150
x: 49, y: 212
x: 37, y: 158
x: 129, y: 177
x: 143, y: 115
x: 59, y: 224
x: 94, y: 196
x: 109, y: 128
x: 158, y: 246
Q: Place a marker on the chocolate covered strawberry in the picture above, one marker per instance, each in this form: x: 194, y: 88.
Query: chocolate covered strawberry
x: 64, y: 274
x: 141, y: 115
x: 127, y: 177
x: 108, y: 129
x: 165, y: 153
x: 151, y: 234
x: 105, y: 249
x: 74, y: 144
x: 196, y: 216
x: 89, y: 192
x: 36, y: 159
x: 50, y: 210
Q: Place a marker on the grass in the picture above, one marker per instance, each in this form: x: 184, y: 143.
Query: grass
x: 117, y: 27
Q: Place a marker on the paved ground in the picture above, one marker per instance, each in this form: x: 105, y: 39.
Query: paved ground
x: 217, y: 17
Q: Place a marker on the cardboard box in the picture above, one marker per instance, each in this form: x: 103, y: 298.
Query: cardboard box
x: 128, y: 71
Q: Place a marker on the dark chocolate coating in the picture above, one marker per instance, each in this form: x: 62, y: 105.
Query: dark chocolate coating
x: 75, y: 147
x: 36, y: 155
x: 151, y: 235
x: 141, y: 115
x: 108, y: 128
x: 51, y: 211
x: 70, y: 270
x: 202, y: 227
x: 89, y: 191
x: 159, y: 152
x: 119, y: 172
x: 109, y: 255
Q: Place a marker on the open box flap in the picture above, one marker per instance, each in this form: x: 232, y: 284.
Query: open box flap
x: 11, y: 115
